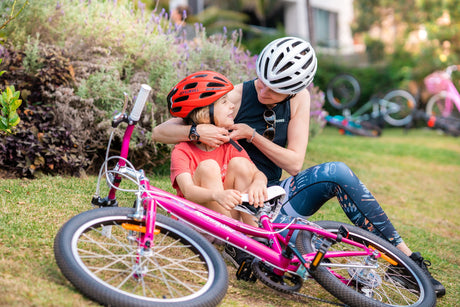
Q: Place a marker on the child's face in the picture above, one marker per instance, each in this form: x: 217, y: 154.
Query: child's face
x: 223, y: 112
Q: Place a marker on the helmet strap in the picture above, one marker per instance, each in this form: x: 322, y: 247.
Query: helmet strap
x: 211, y: 114
x: 287, y: 99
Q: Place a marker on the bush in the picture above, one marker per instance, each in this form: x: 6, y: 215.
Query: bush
x: 83, y: 56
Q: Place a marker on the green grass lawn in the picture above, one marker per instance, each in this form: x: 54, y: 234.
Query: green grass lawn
x: 415, y: 176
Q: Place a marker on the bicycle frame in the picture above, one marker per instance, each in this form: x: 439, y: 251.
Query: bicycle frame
x: 361, y: 115
x: 452, y: 98
x: 220, y: 226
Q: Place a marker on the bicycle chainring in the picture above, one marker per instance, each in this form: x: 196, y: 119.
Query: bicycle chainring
x: 287, y: 283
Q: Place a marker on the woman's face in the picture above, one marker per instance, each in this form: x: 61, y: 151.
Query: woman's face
x: 223, y: 112
x: 266, y: 95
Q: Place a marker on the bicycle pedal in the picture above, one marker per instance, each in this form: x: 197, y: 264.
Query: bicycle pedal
x: 245, y: 272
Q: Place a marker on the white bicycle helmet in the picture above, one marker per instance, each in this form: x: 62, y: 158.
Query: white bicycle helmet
x: 287, y: 65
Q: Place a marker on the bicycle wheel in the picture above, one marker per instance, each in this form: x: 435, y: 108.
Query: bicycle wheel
x: 103, y: 260
x: 437, y: 105
x: 343, y: 91
x: 397, y: 107
x: 377, y: 287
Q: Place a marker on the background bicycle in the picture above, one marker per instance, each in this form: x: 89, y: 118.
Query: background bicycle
x: 394, y: 108
x: 445, y: 101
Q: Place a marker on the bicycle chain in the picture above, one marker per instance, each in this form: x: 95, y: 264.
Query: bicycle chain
x: 318, y: 299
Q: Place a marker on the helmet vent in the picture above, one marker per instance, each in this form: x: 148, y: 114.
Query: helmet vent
x: 278, y: 60
x: 286, y: 67
x: 281, y: 80
x: 265, y: 69
x: 182, y: 98
x: 304, y: 52
x: 215, y: 84
x: 199, y: 76
x: 190, y: 85
x: 218, y: 78
x: 307, y: 64
x: 207, y: 94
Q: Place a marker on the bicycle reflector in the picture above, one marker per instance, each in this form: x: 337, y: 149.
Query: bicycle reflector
x: 320, y: 254
x: 431, y: 121
x: 138, y: 228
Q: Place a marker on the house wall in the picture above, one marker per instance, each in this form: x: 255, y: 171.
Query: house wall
x: 296, y: 21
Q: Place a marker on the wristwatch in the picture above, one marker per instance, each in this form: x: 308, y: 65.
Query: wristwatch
x: 193, y: 135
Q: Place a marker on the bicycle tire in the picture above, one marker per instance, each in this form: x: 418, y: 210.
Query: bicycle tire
x: 437, y: 103
x: 98, y: 256
x: 380, y: 289
x: 343, y: 91
x: 399, y: 113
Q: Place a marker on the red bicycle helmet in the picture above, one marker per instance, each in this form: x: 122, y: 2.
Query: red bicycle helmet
x: 197, y: 90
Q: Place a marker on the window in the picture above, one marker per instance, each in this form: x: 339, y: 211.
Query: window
x: 326, y: 28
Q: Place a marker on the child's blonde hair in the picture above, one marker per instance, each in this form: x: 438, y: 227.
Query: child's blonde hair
x: 200, y: 116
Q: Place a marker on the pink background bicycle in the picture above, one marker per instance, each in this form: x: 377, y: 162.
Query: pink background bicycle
x: 445, y: 101
x: 137, y: 255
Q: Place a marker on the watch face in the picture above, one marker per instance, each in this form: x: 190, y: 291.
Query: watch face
x: 194, y: 137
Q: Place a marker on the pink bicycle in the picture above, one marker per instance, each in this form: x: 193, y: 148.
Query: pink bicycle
x: 123, y: 256
x: 446, y: 99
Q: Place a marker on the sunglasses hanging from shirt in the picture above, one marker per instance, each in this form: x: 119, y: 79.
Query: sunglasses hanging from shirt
x: 270, y: 119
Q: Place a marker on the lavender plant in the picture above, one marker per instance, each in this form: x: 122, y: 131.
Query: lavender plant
x: 111, y: 47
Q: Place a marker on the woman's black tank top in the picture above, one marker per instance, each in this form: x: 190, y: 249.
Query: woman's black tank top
x: 251, y: 113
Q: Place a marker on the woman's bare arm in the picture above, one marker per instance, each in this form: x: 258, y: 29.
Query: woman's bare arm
x: 175, y: 130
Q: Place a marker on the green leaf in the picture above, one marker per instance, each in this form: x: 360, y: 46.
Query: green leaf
x: 4, y: 122
x: 15, y: 104
x: 14, y: 121
x: 9, y: 93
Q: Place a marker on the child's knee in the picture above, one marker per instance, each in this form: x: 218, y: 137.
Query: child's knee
x: 240, y: 166
x: 207, y: 170
x: 208, y: 166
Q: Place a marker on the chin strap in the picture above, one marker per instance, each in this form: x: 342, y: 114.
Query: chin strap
x: 211, y: 114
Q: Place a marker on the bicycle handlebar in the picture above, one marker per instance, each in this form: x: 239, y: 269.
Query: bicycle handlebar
x: 140, y: 102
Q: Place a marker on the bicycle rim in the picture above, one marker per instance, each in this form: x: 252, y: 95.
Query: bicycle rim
x: 397, y: 107
x: 438, y: 106
x: 103, y: 260
x: 343, y: 91
x: 377, y: 287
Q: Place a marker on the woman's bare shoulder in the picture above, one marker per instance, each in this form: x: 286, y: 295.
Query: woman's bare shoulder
x: 235, y: 95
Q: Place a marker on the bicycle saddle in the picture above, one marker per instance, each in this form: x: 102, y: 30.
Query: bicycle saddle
x: 271, y: 206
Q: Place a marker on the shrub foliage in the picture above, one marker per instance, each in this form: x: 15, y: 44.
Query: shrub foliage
x: 73, y: 61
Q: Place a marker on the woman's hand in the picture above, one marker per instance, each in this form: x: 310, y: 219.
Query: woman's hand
x: 212, y: 135
x: 241, y: 131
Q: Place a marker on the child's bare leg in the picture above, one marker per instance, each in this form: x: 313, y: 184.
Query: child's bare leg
x: 239, y: 177
x: 207, y: 175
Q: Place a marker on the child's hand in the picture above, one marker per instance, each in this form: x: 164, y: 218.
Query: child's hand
x: 228, y: 198
x: 257, y: 193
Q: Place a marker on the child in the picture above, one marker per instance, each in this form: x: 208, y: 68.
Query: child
x: 214, y: 177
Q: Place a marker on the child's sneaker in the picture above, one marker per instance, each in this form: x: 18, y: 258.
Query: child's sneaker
x: 242, y: 262
x: 235, y: 255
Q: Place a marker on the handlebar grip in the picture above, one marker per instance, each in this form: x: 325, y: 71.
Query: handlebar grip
x: 140, y: 102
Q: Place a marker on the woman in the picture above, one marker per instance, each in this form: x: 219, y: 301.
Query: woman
x: 272, y: 116
x: 212, y: 176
